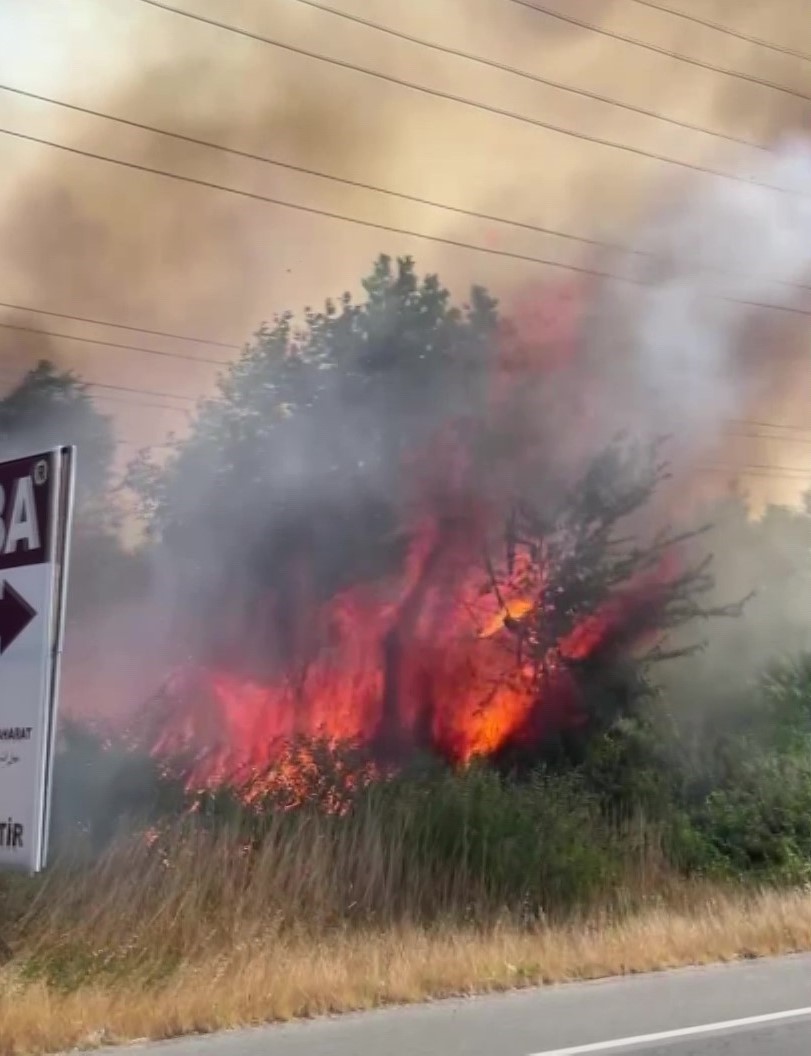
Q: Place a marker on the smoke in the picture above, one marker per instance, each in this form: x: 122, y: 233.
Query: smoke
x: 672, y: 344
x: 668, y: 351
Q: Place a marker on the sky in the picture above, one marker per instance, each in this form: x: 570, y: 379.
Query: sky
x: 86, y: 238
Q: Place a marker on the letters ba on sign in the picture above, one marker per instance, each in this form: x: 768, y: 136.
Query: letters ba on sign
x: 35, y: 514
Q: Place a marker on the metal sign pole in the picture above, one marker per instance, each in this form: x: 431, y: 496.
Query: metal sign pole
x: 63, y: 531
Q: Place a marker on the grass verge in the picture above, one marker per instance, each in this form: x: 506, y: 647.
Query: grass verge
x: 440, y: 884
x: 51, y: 999
x: 260, y: 978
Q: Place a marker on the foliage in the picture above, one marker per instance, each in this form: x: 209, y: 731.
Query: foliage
x: 759, y: 824
x: 295, y: 477
x: 102, y: 788
x: 51, y: 408
x: 601, y: 601
x: 301, y: 463
x: 769, y: 556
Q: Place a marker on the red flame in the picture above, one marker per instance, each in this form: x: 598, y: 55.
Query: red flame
x: 423, y: 660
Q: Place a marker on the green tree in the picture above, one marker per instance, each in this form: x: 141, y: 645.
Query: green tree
x: 296, y: 475
x: 770, y: 556
x: 49, y: 408
x: 604, y: 598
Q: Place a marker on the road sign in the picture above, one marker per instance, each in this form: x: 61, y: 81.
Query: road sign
x: 36, y: 506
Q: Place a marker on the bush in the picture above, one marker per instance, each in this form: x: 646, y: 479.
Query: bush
x: 750, y: 809
x: 101, y: 789
x: 759, y: 826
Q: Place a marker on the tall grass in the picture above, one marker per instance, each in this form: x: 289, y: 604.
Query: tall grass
x: 155, y: 920
x: 466, y: 849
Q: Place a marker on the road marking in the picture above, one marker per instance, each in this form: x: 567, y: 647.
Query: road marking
x: 672, y: 1035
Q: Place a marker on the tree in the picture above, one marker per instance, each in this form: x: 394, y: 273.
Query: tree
x: 50, y: 408
x: 295, y: 477
x: 769, y: 556
x: 307, y: 475
x: 599, y: 602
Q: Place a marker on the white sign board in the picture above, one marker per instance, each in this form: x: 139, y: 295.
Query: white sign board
x: 36, y: 499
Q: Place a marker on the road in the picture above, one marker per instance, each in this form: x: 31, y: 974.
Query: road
x: 754, y: 1008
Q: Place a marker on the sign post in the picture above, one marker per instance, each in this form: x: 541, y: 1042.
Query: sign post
x: 36, y: 511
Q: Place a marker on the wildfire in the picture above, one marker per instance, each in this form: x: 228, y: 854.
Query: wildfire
x: 424, y: 659
x: 514, y: 609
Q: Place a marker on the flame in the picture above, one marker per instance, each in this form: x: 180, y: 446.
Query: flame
x: 424, y: 659
x: 514, y: 609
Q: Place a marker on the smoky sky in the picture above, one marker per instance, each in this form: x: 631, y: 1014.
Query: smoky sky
x: 83, y: 237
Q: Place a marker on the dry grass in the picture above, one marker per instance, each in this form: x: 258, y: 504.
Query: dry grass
x: 455, y: 889
x: 280, y: 977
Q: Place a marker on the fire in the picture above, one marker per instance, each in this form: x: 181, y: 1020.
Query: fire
x: 426, y: 662
x: 424, y: 659
x: 515, y: 609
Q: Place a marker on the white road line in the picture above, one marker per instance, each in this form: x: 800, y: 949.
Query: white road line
x: 672, y: 1035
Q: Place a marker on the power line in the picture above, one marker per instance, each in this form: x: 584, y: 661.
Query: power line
x: 526, y: 75
x: 116, y: 326
x: 140, y: 392
x: 766, y: 467
x: 159, y: 406
x: 636, y: 42
x: 140, y: 446
x: 303, y: 170
x: 770, y: 425
x: 121, y: 388
x: 138, y: 403
x: 742, y: 471
x: 372, y: 224
x: 728, y: 31
x: 181, y: 410
x: 327, y: 176
x: 112, y: 344
x: 451, y: 97
x: 765, y: 436
x: 329, y: 214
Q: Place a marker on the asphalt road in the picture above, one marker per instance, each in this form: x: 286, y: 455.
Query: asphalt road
x: 755, y: 1008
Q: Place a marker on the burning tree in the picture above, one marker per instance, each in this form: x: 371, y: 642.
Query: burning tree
x: 589, y: 605
x: 331, y: 519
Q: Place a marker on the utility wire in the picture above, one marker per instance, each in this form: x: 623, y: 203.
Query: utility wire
x: 117, y: 326
x: 181, y: 410
x: 728, y: 31
x: 303, y: 170
x: 141, y: 392
x: 452, y: 97
x: 734, y: 421
x: 353, y: 183
x: 123, y: 402
x: 765, y: 436
x: 112, y: 344
x: 374, y: 225
x: 526, y: 75
x: 770, y: 425
x: 636, y: 42
x: 767, y: 467
x: 142, y: 447
x: 86, y: 384
x: 743, y: 471
x: 330, y: 214
x: 326, y: 176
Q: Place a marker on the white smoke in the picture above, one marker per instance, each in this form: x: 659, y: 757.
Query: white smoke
x: 669, y: 344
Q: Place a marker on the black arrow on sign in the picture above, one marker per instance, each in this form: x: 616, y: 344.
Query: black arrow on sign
x: 15, y: 615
